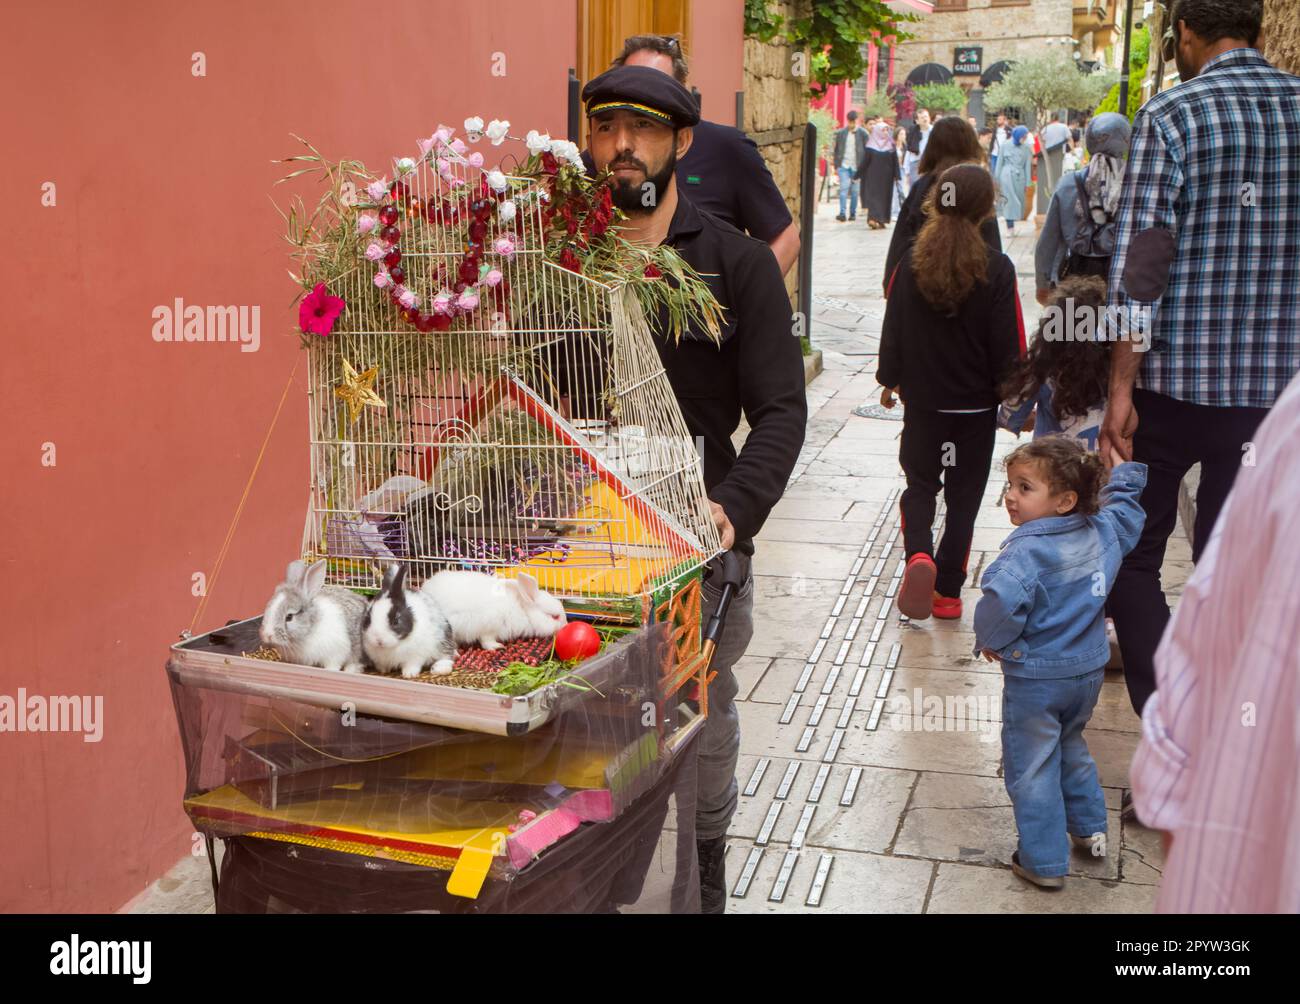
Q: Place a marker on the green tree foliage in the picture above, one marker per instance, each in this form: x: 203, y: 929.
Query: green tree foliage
x: 833, y: 34
x: 1138, y: 64
x: 946, y: 98
x: 1045, y: 83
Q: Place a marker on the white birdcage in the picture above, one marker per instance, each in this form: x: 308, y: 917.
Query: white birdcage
x: 537, y: 433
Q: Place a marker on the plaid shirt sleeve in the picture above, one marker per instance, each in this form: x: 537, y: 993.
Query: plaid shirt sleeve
x: 1153, y: 183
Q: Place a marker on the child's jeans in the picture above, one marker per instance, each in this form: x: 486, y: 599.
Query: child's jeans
x: 1050, y: 775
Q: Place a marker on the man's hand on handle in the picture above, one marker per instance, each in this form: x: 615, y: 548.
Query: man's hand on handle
x: 726, y: 531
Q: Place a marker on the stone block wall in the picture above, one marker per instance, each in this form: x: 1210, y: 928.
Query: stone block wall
x: 1281, y: 41
x: 776, y: 110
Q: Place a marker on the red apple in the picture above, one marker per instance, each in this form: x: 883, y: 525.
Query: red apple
x: 576, y: 640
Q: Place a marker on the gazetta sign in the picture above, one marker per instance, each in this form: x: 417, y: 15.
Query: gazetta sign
x: 968, y: 60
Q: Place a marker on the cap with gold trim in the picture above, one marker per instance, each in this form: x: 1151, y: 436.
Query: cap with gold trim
x: 641, y: 89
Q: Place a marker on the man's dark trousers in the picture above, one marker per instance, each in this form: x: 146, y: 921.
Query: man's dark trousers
x: 1171, y: 436
x: 959, y: 448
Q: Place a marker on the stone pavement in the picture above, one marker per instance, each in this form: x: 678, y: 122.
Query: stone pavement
x: 847, y: 806
x: 840, y: 807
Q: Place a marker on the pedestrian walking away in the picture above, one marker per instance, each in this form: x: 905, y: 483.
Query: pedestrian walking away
x: 1204, y: 297
x: 756, y: 372
x: 951, y: 332
x: 1078, y: 237
x: 880, y: 174
x: 952, y: 142
x: 1013, y: 177
x: 1059, y: 388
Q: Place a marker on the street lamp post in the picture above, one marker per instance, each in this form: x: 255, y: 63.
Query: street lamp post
x: 1128, y: 43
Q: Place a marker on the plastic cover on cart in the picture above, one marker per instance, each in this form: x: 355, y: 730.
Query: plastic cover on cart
x: 326, y: 809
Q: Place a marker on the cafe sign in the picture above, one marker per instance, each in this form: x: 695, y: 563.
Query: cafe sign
x: 968, y: 60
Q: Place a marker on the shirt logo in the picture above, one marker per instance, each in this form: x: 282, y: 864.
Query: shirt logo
x: 692, y: 179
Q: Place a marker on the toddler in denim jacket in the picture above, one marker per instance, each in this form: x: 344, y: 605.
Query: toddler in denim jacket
x: 1042, y: 614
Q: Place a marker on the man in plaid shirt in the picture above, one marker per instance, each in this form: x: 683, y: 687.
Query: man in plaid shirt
x: 1207, y: 279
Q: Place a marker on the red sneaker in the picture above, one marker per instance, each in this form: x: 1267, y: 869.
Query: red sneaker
x: 947, y: 607
x: 917, y: 591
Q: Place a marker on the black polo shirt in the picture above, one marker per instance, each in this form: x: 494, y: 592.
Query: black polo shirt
x: 724, y: 174
x: 757, y: 371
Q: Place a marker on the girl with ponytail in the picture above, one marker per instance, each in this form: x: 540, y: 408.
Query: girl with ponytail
x: 952, y: 330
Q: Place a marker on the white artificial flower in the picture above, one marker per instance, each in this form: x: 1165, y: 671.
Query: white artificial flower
x: 496, y: 181
x: 567, y: 151
x: 537, y: 142
x: 496, y: 131
x: 405, y: 166
x: 474, y: 129
x: 507, y: 211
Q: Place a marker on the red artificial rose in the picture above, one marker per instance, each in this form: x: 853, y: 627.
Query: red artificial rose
x: 652, y: 271
x: 549, y: 164
x: 570, y: 260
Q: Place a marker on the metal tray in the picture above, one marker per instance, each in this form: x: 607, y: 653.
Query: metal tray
x: 215, y: 660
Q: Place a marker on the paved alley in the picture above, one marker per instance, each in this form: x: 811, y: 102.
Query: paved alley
x: 846, y: 805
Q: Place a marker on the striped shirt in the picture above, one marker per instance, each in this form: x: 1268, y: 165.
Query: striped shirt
x: 1219, y: 761
x: 1214, y: 165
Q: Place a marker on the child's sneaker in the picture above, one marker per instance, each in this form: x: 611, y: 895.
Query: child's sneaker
x: 947, y: 607
x: 917, y: 592
x: 1042, y: 881
x: 1095, y: 844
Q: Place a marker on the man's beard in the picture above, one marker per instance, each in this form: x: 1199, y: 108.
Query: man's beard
x: 632, y: 198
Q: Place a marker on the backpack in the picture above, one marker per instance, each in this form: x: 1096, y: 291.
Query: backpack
x: 1093, y: 244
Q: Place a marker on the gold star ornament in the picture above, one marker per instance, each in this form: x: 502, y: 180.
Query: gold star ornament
x: 358, y: 390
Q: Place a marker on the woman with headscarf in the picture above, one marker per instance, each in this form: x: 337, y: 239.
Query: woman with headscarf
x: 879, y: 174
x: 1079, y: 235
x: 1013, y: 177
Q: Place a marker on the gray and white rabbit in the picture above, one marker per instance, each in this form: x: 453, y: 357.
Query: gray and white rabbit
x: 313, y: 624
x: 406, y: 630
x: 490, y: 609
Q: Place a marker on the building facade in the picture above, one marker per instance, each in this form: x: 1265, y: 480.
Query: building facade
x: 974, y: 42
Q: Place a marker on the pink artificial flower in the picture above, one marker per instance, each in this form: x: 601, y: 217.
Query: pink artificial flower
x: 493, y: 278
x: 375, y: 251
x: 365, y: 224
x: 458, y: 146
x: 504, y: 246
x: 407, y: 298
x: 444, y: 168
x: 475, y: 159
x: 383, y: 280
x: 442, y: 134
x: 442, y: 303
x: 457, y: 182
x: 468, y: 301
x: 318, y: 311
x: 378, y: 189
x: 426, y: 145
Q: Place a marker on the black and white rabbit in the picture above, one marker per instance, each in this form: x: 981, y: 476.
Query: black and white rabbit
x: 406, y: 630
x: 313, y: 624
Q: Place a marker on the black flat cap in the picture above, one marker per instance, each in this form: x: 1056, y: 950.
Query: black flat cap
x: 641, y: 89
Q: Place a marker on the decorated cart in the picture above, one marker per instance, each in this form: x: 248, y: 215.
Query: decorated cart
x: 484, y: 394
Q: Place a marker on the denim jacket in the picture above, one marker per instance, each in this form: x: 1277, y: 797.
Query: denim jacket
x: 1042, y: 610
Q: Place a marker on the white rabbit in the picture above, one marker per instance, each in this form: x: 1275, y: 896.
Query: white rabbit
x: 406, y: 631
x: 313, y: 624
x: 489, y: 610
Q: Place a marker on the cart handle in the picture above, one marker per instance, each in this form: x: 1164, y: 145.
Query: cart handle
x: 731, y: 567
